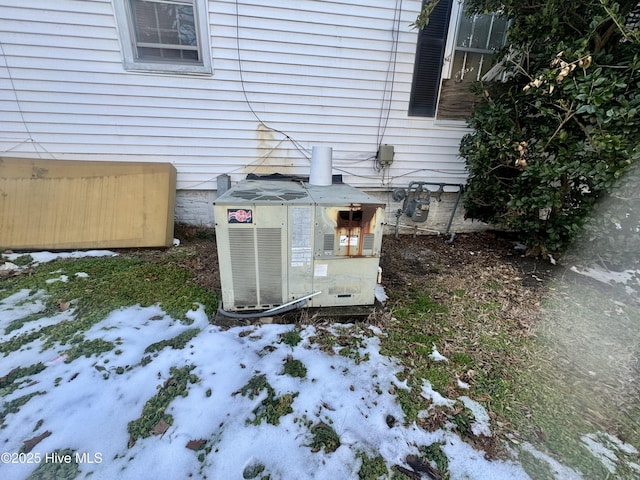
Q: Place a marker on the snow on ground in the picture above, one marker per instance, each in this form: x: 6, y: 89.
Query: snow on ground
x: 436, y: 356
x: 88, y: 409
x: 45, y: 257
x: 87, y: 404
x: 629, y: 278
x: 608, y: 449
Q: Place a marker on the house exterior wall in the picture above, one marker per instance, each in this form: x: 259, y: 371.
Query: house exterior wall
x: 312, y: 73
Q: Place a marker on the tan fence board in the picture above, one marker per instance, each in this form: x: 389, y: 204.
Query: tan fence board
x: 59, y: 204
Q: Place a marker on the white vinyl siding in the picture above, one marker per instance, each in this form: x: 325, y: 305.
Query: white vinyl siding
x: 314, y: 72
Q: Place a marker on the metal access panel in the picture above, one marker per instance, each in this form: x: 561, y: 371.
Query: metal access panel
x: 348, y: 241
x: 279, y: 241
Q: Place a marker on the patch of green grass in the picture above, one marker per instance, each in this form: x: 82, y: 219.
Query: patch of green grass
x: 253, y: 470
x: 325, y: 340
x: 491, y: 307
x: 324, y: 437
x: 536, y: 469
x: 371, y: 468
x: 23, y: 260
x: 254, y: 386
x: 9, y: 384
x: 14, y: 405
x: 154, y: 410
x: 493, y: 284
x: 463, y: 419
x: 294, y: 368
x: 291, y: 338
x: 38, y: 425
x: 178, y: 342
x: 438, y: 374
x: 411, y: 403
x: 202, y: 456
x: 462, y: 358
x: 403, y: 340
x: 425, y: 304
x: 354, y: 354
x: 32, y: 317
x: 421, y: 305
x: 16, y: 343
x: 88, y: 348
x: 112, y: 283
x: 60, y: 470
x: 434, y: 453
x: 272, y: 407
x: 499, y: 385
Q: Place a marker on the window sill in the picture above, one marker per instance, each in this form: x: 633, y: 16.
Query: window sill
x: 168, y: 68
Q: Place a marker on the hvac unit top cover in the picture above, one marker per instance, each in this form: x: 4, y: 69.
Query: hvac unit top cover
x: 279, y: 241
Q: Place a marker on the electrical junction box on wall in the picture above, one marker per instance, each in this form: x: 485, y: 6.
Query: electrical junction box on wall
x: 385, y: 155
x: 280, y: 240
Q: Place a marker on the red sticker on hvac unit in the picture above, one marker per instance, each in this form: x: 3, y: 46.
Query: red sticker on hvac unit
x: 239, y: 216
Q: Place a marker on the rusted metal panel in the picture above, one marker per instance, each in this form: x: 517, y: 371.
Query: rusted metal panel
x: 352, y: 225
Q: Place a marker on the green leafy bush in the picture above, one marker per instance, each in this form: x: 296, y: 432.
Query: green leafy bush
x: 551, y: 140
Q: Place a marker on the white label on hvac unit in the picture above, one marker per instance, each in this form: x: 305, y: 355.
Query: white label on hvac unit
x: 301, y: 237
x: 320, y: 270
x: 349, y: 240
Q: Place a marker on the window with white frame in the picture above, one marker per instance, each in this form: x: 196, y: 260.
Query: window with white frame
x: 478, y: 37
x: 164, y: 35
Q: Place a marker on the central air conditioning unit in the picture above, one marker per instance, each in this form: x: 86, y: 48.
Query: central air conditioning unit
x: 279, y: 241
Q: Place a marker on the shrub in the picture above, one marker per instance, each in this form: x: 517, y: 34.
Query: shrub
x: 552, y: 140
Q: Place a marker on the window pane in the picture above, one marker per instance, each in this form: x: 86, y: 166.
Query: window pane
x: 498, y: 33
x: 479, y: 36
x: 484, y: 32
x: 164, y: 23
x: 470, y: 67
x: 160, y: 54
x: 186, y: 26
x: 465, y: 31
x: 481, y: 28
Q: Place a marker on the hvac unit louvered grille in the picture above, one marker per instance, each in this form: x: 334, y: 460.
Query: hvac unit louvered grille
x: 243, y: 266
x: 256, y: 280
x: 328, y: 244
x: 368, y: 242
x: 270, y: 265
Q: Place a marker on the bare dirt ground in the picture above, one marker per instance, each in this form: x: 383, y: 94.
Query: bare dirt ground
x: 404, y: 258
x: 409, y: 263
